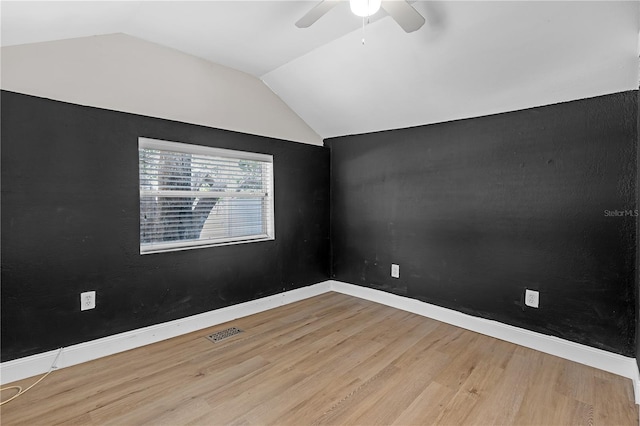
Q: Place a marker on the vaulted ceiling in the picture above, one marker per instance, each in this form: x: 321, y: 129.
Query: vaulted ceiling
x: 470, y: 58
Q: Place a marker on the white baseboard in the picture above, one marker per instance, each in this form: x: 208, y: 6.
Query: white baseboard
x: 40, y: 363
x: 22, y: 368
x: 636, y: 387
x: 603, y: 360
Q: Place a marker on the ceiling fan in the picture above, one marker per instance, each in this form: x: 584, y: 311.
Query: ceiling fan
x: 400, y: 10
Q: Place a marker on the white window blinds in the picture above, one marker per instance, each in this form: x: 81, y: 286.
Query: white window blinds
x: 194, y: 196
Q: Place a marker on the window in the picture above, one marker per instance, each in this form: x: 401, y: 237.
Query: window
x: 194, y: 196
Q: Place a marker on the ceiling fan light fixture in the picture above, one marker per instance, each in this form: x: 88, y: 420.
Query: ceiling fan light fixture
x: 364, y: 8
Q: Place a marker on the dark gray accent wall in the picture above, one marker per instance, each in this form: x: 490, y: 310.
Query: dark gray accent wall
x: 476, y: 211
x: 70, y: 223
x: 638, y: 238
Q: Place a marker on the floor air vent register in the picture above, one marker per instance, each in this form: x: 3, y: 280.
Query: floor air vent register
x: 223, y: 334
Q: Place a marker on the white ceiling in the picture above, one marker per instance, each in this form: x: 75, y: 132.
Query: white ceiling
x: 470, y: 59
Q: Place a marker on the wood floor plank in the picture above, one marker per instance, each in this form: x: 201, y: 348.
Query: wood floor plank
x: 397, y: 396
x: 319, y: 402
x: 427, y: 406
x: 611, y: 403
x: 331, y: 359
x: 479, y: 383
x: 507, y: 395
x: 358, y: 399
x: 574, y: 383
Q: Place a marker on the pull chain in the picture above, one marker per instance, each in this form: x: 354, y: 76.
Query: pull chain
x: 368, y: 18
x: 368, y: 21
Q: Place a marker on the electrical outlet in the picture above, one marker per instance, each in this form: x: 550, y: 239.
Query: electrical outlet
x: 87, y: 300
x: 395, y: 270
x: 531, y: 298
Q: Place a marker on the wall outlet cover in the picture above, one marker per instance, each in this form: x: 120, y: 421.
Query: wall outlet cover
x: 87, y: 300
x: 531, y: 298
x: 395, y: 270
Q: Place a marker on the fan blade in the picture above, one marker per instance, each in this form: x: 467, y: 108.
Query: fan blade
x: 404, y: 14
x: 316, y: 13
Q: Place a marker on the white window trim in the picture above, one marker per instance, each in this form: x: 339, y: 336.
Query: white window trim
x: 162, y: 145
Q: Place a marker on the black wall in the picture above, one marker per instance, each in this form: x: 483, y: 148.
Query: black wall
x: 475, y: 211
x: 70, y: 223
x: 638, y: 242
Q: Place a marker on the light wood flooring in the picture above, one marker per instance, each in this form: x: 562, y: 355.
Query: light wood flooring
x: 331, y: 359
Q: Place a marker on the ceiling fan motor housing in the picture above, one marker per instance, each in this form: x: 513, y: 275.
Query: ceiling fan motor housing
x: 365, y: 8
